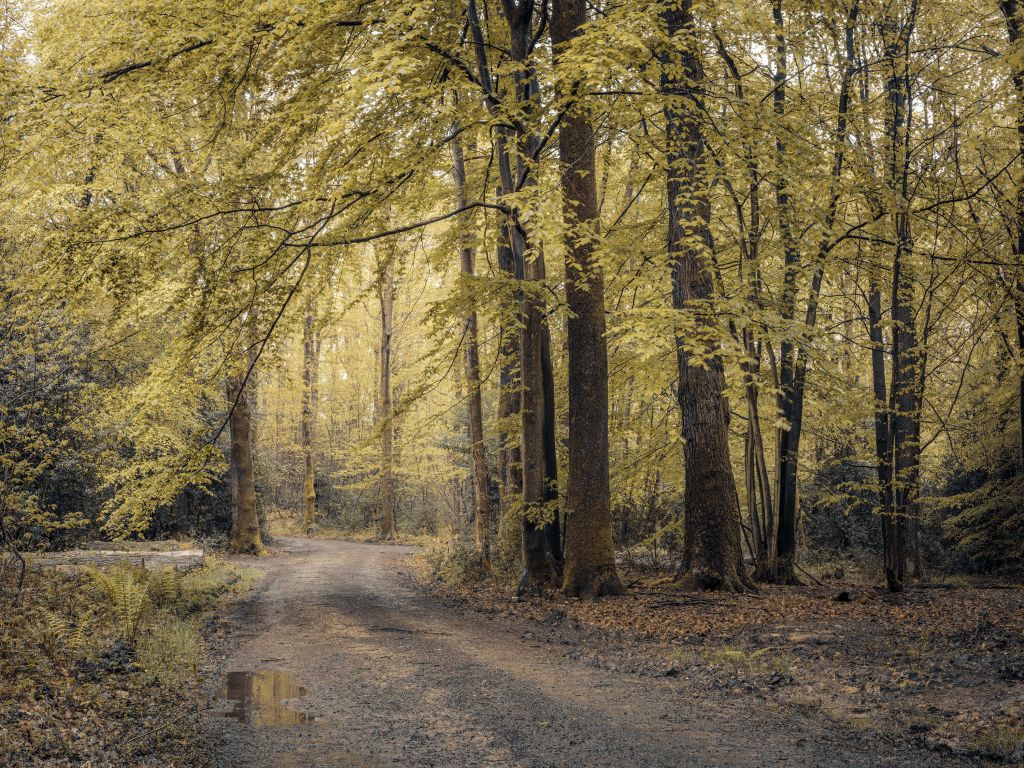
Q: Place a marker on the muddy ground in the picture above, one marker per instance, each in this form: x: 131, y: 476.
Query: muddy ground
x: 341, y: 658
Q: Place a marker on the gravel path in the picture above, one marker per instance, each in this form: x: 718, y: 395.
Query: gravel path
x: 393, y: 677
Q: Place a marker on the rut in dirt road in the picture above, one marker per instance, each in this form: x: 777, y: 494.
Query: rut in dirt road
x: 337, y: 661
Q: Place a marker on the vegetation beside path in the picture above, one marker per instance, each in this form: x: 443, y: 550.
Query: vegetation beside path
x: 101, y: 668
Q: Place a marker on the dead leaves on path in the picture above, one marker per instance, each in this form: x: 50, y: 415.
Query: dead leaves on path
x: 943, y: 668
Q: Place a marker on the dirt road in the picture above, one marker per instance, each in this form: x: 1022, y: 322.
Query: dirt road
x: 337, y: 660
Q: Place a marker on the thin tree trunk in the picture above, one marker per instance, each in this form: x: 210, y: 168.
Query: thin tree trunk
x: 793, y: 362
x: 783, y: 548
x: 589, y: 551
x: 385, y: 498
x: 472, y: 365
x: 712, y: 557
x: 510, y: 486
x: 906, y: 356
x: 882, y: 415
x: 310, y: 407
x: 1013, y: 12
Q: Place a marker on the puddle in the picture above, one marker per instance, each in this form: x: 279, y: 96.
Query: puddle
x: 260, y: 698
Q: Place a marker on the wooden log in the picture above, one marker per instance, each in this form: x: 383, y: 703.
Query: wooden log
x: 162, y: 545
x: 75, y: 559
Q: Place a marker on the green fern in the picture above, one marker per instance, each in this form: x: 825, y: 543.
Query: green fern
x: 164, y: 588
x: 60, y: 641
x: 128, y: 595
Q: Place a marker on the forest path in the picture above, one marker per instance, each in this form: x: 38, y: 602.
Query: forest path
x: 394, y: 677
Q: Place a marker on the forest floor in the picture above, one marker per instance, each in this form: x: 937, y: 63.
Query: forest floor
x: 77, y: 690
x: 939, y: 667
x: 345, y: 658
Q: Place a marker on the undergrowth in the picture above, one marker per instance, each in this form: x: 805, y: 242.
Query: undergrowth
x: 101, y: 664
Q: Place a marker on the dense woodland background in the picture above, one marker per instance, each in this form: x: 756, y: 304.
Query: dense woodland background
x: 698, y: 282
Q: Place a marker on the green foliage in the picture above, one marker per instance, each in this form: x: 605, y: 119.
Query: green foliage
x: 126, y: 590
x: 456, y: 563
x: 61, y: 640
x: 986, y: 523
x: 180, y: 181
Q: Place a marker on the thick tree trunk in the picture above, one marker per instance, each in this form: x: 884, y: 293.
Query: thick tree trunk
x: 385, y: 492
x: 310, y: 407
x: 712, y: 558
x: 589, y: 551
x: 245, y: 526
x: 467, y: 257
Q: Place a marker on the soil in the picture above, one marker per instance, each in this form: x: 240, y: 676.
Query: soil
x: 377, y: 671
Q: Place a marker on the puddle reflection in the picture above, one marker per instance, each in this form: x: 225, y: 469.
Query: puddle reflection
x: 259, y: 698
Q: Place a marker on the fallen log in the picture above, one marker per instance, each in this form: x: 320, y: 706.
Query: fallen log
x: 153, y: 560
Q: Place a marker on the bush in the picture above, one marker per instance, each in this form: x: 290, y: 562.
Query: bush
x: 457, y: 564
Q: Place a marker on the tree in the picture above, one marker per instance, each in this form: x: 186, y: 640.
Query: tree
x: 589, y: 552
x: 245, y: 525
x: 310, y: 412
x: 712, y: 558
x: 386, y: 411
x: 474, y: 404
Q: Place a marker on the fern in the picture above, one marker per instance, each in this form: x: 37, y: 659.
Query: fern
x: 164, y: 588
x: 60, y: 642
x: 128, y: 596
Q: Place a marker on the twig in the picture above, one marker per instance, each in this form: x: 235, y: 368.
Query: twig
x: 811, y: 575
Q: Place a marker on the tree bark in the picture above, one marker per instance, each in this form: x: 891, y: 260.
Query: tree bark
x: 541, y: 562
x: 385, y: 492
x: 467, y: 257
x: 245, y: 526
x: 589, y: 550
x: 906, y: 355
x: 1013, y: 12
x: 712, y: 557
x: 310, y: 407
x: 784, y: 540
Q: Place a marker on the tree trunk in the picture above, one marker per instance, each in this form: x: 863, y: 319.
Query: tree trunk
x: 589, y: 551
x: 245, y: 526
x: 906, y: 355
x: 541, y: 563
x: 882, y: 417
x: 310, y: 406
x: 712, y: 558
x: 385, y: 492
x: 1013, y: 12
x: 783, y: 547
x: 472, y: 364
x: 510, y: 472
